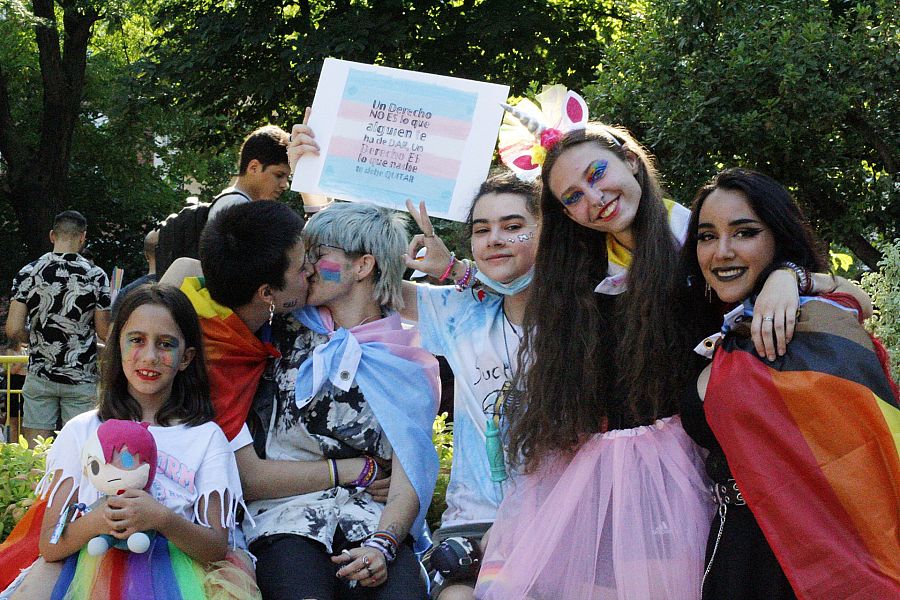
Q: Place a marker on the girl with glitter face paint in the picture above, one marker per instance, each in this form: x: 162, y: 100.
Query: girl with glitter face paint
x: 614, y: 501
x: 152, y: 373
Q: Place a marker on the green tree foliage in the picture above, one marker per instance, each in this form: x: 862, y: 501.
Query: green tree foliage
x: 243, y: 62
x: 805, y: 90
x: 111, y: 172
x: 21, y: 468
x: 884, y: 288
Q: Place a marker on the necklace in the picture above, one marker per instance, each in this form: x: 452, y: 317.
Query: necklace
x: 506, y: 321
x: 366, y: 320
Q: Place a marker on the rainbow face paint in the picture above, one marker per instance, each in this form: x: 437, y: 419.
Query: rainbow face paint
x: 593, y: 174
x: 329, y: 270
x: 167, y: 349
x: 596, y: 170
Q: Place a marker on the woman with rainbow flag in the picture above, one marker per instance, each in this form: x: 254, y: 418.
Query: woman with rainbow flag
x: 803, y: 449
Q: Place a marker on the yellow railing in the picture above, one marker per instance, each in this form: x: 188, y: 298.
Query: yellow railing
x: 8, y: 362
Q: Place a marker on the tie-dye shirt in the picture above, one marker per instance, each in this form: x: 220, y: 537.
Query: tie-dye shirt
x: 470, y: 331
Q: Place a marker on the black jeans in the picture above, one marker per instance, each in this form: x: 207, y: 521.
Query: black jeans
x: 292, y: 567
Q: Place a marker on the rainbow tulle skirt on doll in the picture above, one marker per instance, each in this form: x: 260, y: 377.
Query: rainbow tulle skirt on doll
x: 626, y: 518
x: 162, y: 573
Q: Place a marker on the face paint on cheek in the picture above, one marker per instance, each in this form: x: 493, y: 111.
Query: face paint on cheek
x: 522, y: 237
x: 329, y: 271
x: 131, y: 351
x: 168, y: 353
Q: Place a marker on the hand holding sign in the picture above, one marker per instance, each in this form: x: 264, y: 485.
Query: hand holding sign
x: 301, y: 142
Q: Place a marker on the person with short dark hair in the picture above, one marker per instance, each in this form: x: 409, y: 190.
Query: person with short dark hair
x: 263, y: 170
x: 60, y: 307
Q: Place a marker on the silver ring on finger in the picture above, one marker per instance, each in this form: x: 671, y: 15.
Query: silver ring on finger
x: 768, y: 318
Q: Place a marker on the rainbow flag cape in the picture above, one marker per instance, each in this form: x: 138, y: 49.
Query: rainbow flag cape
x: 20, y: 549
x: 812, y: 440
x: 235, y: 358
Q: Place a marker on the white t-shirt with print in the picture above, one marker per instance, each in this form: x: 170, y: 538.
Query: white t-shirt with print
x: 469, y: 333
x: 191, y: 463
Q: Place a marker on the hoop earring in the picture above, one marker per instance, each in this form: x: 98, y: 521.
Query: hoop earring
x: 271, y: 312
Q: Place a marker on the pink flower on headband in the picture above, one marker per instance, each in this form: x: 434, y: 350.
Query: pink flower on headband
x: 550, y: 137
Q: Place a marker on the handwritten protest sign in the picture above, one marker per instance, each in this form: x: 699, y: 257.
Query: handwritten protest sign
x: 387, y: 135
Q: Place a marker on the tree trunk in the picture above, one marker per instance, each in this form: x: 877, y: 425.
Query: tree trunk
x: 37, y: 176
x: 821, y: 204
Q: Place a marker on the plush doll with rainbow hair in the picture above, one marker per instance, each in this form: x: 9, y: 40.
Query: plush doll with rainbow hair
x: 120, y: 455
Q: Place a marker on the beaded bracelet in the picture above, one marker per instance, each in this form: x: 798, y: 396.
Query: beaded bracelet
x: 468, y: 277
x: 67, y: 516
x: 804, y: 279
x: 449, y: 269
x: 385, y: 543
x: 368, y: 474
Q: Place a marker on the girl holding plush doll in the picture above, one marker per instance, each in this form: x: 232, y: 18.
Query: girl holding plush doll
x: 176, y: 499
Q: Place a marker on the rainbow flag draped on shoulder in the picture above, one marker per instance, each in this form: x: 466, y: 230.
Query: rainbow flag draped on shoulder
x: 812, y: 441
x: 235, y: 358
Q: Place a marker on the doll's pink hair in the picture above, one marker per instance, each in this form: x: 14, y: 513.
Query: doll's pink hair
x: 114, y: 434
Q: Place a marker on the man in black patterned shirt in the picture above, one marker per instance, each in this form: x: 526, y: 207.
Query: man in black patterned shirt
x: 57, y: 307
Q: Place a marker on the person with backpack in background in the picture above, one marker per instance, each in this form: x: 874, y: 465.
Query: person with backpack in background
x: 263, y: 174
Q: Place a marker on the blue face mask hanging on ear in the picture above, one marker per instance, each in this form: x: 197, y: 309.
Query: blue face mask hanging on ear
x: 512, y: 288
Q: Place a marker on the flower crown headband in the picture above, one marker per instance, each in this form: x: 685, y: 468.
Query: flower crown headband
x: 529, y: 131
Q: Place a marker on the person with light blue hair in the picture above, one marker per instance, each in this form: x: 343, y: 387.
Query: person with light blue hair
x: 351, y: 382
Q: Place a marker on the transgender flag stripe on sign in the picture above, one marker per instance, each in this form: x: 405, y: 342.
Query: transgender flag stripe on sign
x: 428, y: 164
x: 442, y: 126
x: 396, y: 139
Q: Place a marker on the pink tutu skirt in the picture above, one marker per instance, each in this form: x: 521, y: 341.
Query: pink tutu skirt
x: 627, y: 519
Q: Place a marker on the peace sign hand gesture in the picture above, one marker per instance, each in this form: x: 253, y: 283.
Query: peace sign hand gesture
x: 437, y: 256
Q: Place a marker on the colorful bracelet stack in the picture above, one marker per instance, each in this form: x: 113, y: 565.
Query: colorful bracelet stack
x: 333, y: 472
x: 368, y: 474
x: 804, y: 278
x: 449, y: 268
x: 384, y: 542
x: 468, y: 277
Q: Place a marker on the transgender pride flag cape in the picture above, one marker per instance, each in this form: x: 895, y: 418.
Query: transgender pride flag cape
x: 235, y: 358
x: 399, y: 381
x: 812, y: 440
